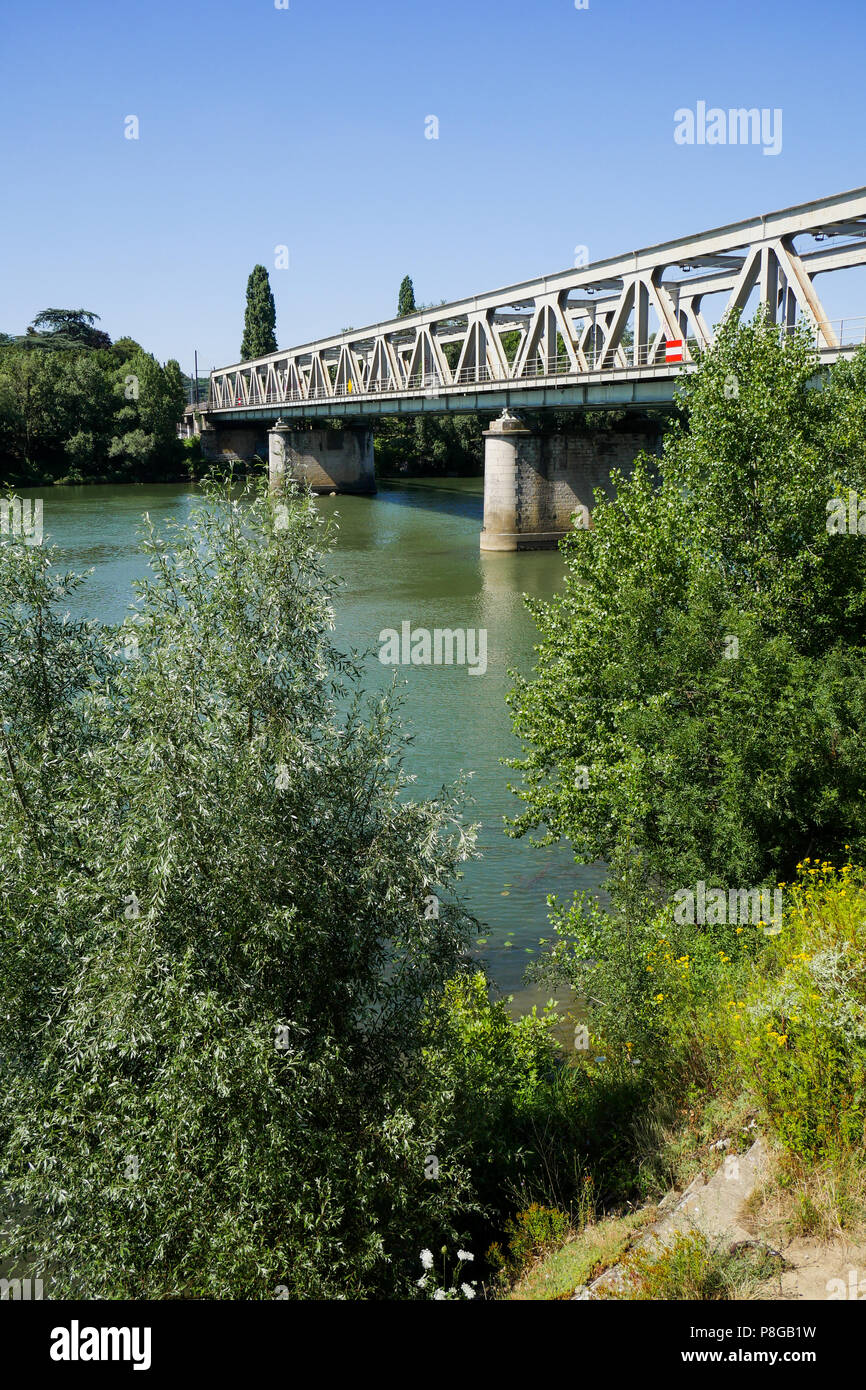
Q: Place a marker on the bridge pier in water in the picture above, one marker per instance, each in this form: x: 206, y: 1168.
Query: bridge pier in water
x: 327, y: 460
x: 537, y: 486
x: 238, y: 442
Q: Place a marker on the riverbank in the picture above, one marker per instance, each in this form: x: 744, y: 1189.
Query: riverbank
x: 182, y: 464
x: 734, y: 1231
x: 744, y: 1176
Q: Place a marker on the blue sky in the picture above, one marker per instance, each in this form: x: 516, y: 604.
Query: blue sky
x: 305, y: 127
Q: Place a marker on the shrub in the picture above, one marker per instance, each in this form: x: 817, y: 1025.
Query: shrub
x: 529, y: 1234
x: 216, y: 965
x: 692, y: 1270
x: 798, y: 1028
x: 650, y: 985
x: 778, y: 1020
x: 519, y: 1118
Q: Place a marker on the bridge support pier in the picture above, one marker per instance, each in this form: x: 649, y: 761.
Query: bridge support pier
x: 327, y: 460
x: 538, y: 486
x: 235, y: 443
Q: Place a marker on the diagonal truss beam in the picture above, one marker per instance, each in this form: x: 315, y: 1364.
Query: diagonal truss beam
x: 614, y: 317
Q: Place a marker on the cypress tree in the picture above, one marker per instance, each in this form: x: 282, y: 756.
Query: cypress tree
x: 406, y: 297
x: 260, y: 317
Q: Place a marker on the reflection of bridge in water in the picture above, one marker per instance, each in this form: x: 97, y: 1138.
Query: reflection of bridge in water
x: 613, y: 335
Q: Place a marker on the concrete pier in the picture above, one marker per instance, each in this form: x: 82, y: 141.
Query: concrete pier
x: 538, y: 486
x: 240, y: 443
x: 326, y: 460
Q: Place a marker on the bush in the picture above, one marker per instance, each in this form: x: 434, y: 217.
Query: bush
x: 691, y: 1270
x: 530, y: 1234
x: 649, y: 986
x: 527, y: 1126
x: 798, y: 1027
x: 700, y: 689
x: 217, y: 969
x: 192, y: 454
x: 776, y: 1022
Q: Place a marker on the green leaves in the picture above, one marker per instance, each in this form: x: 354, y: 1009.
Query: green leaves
x: 704, y: 661
x: 259, y: 317
x: 406, y: 297
x: 81, y: 414
x: 171, y: 903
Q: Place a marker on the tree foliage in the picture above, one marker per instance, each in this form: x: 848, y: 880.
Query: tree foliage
x: 430, y: 444
x: 218, y: 954
x: 68, y: 328
x: 81, y: 414
x: 406, y: 297
x: 260, y: 316
x: 699, y: 700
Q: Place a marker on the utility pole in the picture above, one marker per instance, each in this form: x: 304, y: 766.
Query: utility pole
x: 196, y: 376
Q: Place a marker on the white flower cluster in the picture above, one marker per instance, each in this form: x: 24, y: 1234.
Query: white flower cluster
x: 468, y: 1290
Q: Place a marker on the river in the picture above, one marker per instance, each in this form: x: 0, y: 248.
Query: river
x: 411, y: 554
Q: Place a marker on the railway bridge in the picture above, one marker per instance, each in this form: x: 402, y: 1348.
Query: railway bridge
x: 615, y: 334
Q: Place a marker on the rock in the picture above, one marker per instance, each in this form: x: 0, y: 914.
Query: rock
x: 713, y: 1207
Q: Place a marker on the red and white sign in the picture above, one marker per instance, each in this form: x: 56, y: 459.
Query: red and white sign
x: 674, y: 350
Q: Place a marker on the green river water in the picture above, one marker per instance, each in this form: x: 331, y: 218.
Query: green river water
x: 410, y: 553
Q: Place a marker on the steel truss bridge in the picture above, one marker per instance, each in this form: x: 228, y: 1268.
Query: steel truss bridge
x: 614, y: 333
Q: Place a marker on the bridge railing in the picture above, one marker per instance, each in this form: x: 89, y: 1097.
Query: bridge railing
x: 849, y: 333
x: 621, y: 359
x: 660, y: 353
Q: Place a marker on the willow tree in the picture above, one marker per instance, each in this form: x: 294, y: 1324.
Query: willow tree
x: 222, y: 931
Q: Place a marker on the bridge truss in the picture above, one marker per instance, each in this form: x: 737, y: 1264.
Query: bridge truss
x: 633, y: 318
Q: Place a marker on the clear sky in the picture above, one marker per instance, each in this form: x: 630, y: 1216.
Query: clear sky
x: 305, y: 127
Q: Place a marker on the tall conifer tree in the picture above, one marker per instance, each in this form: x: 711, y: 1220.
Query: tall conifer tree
x: 406, y: 297
x: 260, y: 318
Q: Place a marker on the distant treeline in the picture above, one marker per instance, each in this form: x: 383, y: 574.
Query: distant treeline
x: 430, y: 444
x: 75, y: 407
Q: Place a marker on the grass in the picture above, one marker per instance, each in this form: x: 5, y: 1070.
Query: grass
x: 690, y: 1269
x: 678, y: 1143
x: 821, y: 1201
x: 587, y: 1254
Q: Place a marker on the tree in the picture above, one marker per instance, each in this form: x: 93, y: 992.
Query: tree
x: 699, y: 701
x: 150, y: 402
x: 431, y: 444
x: 406, y: 297
x: 75, y: 413
x: 260, y: 317
x: 34, y: 409
x: 216, y: 991
x: 124, y: 348
x: 69, y: 328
